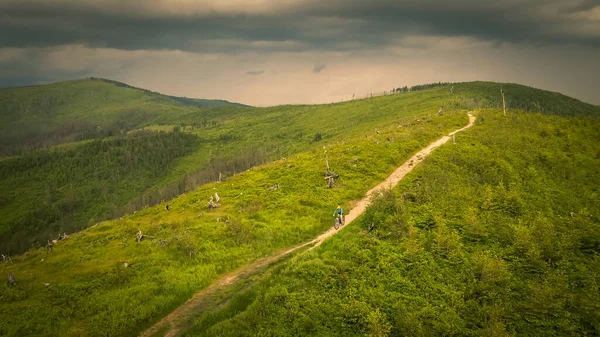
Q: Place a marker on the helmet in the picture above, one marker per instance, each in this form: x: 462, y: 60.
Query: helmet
x: 339, y: 206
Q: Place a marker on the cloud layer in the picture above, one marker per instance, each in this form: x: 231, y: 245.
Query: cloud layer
x: 235, y: 25
x: 330, y: 46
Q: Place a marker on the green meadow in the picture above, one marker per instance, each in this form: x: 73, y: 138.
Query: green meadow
x: 47, y: 194
x: 91, y: 291
x: 496, y: 235
x: 462, y: 246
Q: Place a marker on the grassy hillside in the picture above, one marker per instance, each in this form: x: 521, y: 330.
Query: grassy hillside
x: 520, y: 97
x: 197, y: 102
x: 94, y: 294
x: 497, y: 235
x: 92, y: 290
x: 230, y: 140
x: 37, y: 116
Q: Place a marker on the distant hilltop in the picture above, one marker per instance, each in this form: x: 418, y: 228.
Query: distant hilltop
x: 203, y: 103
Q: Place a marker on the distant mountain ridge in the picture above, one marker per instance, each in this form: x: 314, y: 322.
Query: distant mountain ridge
x: 62, y: 112
x: 198, y: 102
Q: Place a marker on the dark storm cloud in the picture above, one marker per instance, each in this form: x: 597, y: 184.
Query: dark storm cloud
x: 304, y: 25
x: 534, y: 21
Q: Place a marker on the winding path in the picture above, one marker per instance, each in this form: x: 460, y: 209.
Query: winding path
x: 172, y: 324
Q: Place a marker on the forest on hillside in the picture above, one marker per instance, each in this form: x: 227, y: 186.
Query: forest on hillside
x: 65, y: 189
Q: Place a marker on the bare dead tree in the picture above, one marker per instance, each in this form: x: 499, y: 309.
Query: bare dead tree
x: 7, y: 258
x: 329, y: 174
x: 452, y: 90
x: 11, y: 280
x: 503, y: 101
x: 48, y: 247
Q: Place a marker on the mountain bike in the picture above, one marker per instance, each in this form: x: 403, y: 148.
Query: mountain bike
x: 340, y: 220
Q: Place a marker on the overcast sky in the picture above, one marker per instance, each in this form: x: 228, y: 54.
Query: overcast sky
x: 268, y: 52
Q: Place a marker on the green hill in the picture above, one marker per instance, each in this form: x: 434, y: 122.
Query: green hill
x: 43, y: 198
x: 93, y: 294
x: 100, y: 281
x: 197, y: 102
x: 46, y: 115
x: 497, y: 235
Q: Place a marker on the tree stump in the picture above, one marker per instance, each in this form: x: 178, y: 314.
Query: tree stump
x: 330, y: 182
x: 212, y: 204
x: 11, y: 280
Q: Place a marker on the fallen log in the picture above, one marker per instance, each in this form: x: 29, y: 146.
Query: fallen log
x: 139, y: 236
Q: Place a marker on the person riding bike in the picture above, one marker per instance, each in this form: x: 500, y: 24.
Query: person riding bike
x: 339, y: 212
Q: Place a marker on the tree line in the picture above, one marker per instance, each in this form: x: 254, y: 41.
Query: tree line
x: 58, y: 190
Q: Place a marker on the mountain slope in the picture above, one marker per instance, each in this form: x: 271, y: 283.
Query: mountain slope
x: 230, y: 139
x: 81, y: 109
x: 520, y: 97
x: 497, y: 235
x: 95, y: 293
x: 197, y: 102
x: 97, y: 276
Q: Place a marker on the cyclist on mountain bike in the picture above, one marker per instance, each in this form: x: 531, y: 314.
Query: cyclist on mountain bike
x: 339, y: 212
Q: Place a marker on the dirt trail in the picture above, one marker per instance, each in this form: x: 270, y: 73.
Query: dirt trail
x: 173, y: 323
